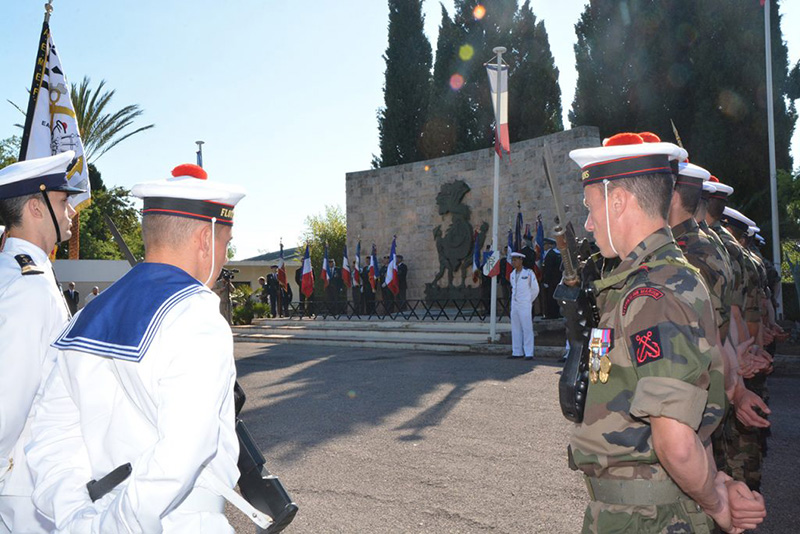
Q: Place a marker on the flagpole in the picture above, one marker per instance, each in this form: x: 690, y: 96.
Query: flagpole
x: 773, y: 183
x: 499, y: 50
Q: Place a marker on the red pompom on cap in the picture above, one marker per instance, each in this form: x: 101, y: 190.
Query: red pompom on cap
x: 649, y: 137
x: 190, y: 169
x: 626, y: 138
x: 713, y: 179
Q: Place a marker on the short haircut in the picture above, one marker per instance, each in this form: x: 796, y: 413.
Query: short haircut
x: 169, y: 231
x: 689, y: 195
x: 11, y: 210
x: 716, y: 206
x: 735, y: 231
x: 653, y: 192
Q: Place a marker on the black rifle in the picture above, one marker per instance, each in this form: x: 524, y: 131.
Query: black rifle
x: 259, y: 487
x: 576, y: 298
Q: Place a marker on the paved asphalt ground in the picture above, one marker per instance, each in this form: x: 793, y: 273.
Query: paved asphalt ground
x: 379, y: 441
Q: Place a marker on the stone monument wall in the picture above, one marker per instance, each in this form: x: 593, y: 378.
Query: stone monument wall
x: 433, y: 205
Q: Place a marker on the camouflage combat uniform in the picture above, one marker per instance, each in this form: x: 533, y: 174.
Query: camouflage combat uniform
x: 661, y: 324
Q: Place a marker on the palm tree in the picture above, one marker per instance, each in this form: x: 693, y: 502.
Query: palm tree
x: 101, y: 130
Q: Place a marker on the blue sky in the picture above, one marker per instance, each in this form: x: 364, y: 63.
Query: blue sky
x: 284, y: 94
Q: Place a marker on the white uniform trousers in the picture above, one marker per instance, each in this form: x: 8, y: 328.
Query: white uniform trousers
x: 20, y: 513
x: 521, y: 330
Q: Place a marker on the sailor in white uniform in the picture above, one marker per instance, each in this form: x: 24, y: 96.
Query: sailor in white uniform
x: 34, y: 208
x: 145, y: 377
x: 524, y: 290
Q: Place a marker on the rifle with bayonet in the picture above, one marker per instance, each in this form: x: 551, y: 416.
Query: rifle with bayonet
x: 577, y: 301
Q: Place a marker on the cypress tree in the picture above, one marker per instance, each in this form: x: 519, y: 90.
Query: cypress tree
x: 406, y: 88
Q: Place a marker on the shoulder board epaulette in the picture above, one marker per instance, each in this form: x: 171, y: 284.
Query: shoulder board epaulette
x: 26, y: 265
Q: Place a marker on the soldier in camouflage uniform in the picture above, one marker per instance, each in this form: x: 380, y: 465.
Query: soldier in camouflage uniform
x: 647, y: 412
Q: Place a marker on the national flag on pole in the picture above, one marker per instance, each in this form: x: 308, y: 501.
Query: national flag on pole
x: 51, y: 126
x: 509, y: 268
x: 307, y: 285
x: 491, y: 267
x: 346, y: 278
x: 282, y: 270
x: 518, y: 232
x: 501, y: 140
x: 539, y: 240
x: 373, y: 267
x: 357, y: 273
x: 326, y: 269
x: 392, y: 280
x: 476, y: 258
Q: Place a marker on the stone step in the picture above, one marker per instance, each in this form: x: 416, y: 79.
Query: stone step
x: 376, y: 334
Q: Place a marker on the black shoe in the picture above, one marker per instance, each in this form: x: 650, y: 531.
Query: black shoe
x: 513, y: 357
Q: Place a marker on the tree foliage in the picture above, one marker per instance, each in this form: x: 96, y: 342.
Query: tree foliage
x: 460, y: 115
x: 701, y: 64
x: 101, y: 128
x: 406, y: 87
x: 9, y: 149
x: 328, y: 227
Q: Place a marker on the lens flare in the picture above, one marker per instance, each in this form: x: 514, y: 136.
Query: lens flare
x: 456, y: 82
x: 465, y: 52
x: 427, y: 168
x: 479, y: 12
x: 351, y: 394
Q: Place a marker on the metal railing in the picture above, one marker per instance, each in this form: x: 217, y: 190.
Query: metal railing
x: 408, y: 310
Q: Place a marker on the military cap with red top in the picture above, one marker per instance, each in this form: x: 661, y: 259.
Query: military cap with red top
x: 627, y: 155
x: 189, y: 193
x: 721, y: 191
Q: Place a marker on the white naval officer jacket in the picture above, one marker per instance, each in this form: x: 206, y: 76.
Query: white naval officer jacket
x: 161, y: 399
x: 32, y: 314
x: 524, y: 287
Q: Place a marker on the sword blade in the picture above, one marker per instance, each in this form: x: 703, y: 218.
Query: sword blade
x: 555, y: 188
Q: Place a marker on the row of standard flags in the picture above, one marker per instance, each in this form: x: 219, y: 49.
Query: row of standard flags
x: 489, y: 262
x: 51, y: 126
x: 350, y: 279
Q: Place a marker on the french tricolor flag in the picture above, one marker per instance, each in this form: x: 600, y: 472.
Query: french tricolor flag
x: 373, y: 267
x: 357, y: 273
x: 501, y: 140
x: 476, y: 259
x: 326, y: 270
x: 282, y: 269
x: 509, y: 267
x: 392, y: 281
x: 307, y: 284
x: 346, y: 278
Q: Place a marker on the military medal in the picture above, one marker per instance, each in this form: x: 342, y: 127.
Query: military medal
x: 599, y: 362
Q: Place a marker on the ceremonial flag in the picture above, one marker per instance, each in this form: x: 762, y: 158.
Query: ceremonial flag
x: 476, y: 259
x: 346, y: 269
x: 539, y: 240
x: 326, y: 269
x: 282, y: 270
x: 392, y: 280
x: 307, y: 286
x: 491, y: 267
x: 373, y: 267
x: 51, y: 126
x: 509, y: 267
x: 518, y: 232
x: 501, y: 140
x: 357, y: 274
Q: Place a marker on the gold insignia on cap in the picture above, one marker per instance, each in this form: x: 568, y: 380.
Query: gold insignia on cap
x: 584, y: 175
x: 226, y: 212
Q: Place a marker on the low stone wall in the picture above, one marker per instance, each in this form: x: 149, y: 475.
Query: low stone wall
x: 449, y: 197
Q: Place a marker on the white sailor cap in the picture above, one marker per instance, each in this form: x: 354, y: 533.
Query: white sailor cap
x: 760, y: 240
x: 736, y: 218
x: 517, y: 255
x: 723, y: 191
x: 709, y: 187
x: 626, y: 155
x: 752, y: 230
x: 35, y: 175
x: 189, y: 193
x: 691, y: 174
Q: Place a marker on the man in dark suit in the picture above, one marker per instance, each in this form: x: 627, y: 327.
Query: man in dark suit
x: 273, y: 287
x: 402, y: 281
x: 72, y: 297
x: 286, y: 298
x: 551, y: 276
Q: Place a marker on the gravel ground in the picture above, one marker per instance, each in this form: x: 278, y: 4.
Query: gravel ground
x: 377, y: 441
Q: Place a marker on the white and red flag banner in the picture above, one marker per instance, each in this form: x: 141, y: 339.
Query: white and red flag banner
x: 326, y: 269
x: 307, y: 286
x: 51, y: 126
x: 500, y: 84
x: 373, y: 267
x: 346, y: 278
x: 357, y: 273
x: 392, y: 280
x: 282, y: 270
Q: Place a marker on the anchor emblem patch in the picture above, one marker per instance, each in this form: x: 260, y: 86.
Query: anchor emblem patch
x: 647, y: 346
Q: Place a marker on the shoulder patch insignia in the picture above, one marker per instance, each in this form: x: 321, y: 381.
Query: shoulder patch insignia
x: 647, y: 346
x: 641, y: 292
x: 26, y: 265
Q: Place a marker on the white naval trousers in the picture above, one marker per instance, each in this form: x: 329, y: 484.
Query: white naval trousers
x: 20, y: 513
x: 521, y: 329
